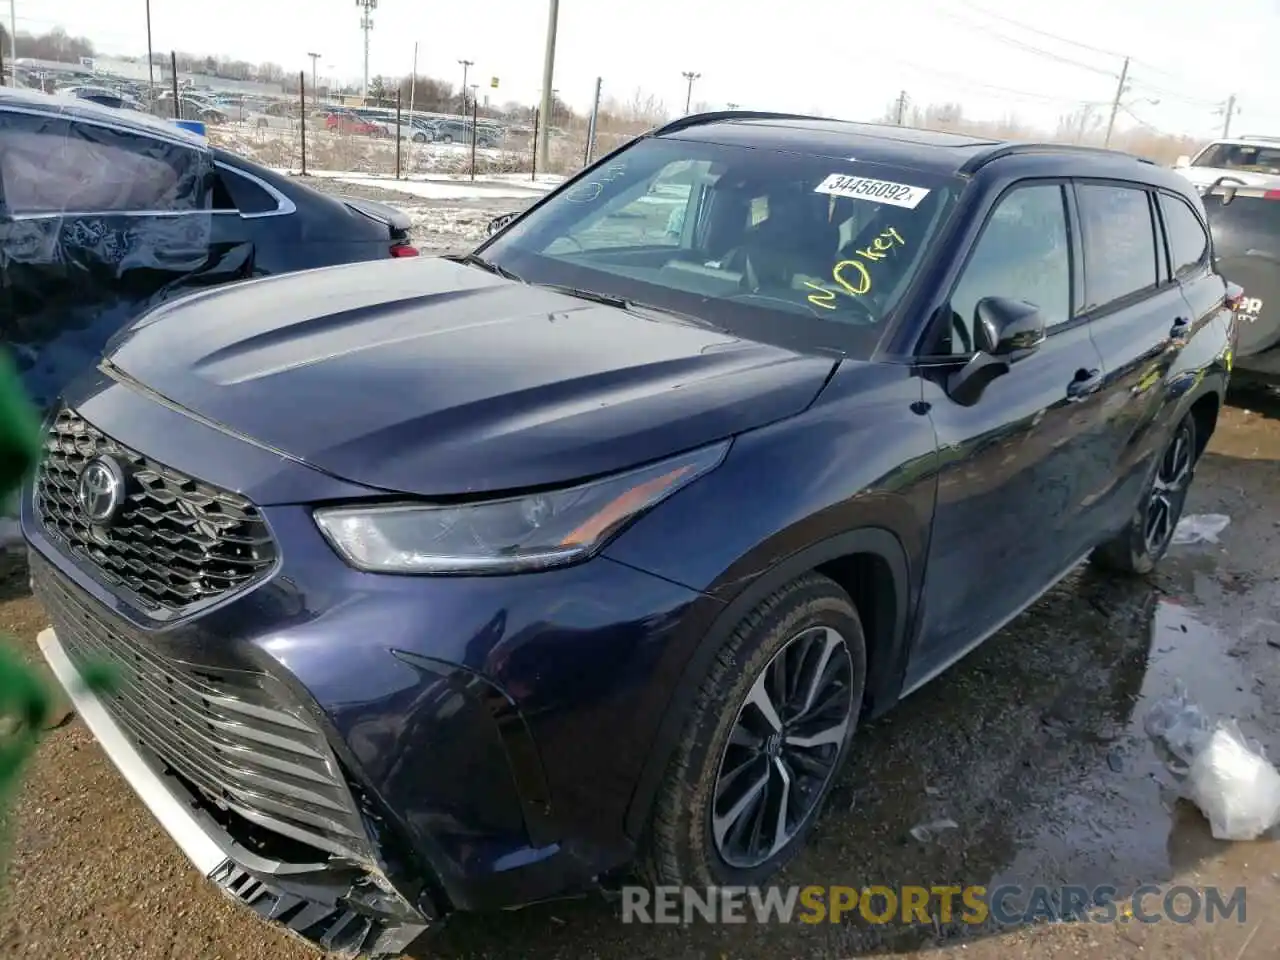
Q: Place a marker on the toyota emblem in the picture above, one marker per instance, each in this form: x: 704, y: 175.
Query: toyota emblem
x: 100, y: 489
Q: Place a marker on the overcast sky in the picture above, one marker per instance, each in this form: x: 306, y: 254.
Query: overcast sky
x: 996, y: 57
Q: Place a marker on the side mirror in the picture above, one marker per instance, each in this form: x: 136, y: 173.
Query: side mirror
x: 1004, y: 331
x: 498, y: 222
x: 1182, y: 162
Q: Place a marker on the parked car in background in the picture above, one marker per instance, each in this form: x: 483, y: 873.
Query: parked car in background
x: 280, y: 115
x: 105, y: 96
x: 476, y: 580
x: 459, y: 131
x: 1247, y: 161
x: 103, y: 213
x: 344, y: 121
x: 191, y: 107
x: 1245, y: 224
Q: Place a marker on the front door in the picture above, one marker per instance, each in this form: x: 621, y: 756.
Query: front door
x: 1017, y: 467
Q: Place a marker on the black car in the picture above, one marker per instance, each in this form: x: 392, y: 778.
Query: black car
x: 459, y: 131
x: 467, y: 582
x: 105, y: 212
x: 1245, y: 223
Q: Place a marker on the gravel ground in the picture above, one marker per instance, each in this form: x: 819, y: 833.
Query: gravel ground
x: 1033, y: 746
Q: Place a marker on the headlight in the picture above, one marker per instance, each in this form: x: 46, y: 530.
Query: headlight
x: 502, y: 536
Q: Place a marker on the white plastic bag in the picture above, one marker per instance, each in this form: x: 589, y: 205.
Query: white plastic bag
x: 1200, y: 528
x: 1228, y: 777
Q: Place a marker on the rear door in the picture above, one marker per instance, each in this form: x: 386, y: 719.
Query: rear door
x: 1140, y: 322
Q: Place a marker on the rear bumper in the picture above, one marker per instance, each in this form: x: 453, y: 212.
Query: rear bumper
x: 326, y: 907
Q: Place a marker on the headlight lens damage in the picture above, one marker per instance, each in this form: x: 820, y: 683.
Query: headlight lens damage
x: 501, y: 536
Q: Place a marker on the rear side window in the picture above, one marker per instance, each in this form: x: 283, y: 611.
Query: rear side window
x: 1188, y: 241
x: 246, y: 196
x: 1119, y: 242
x: 52, y: 165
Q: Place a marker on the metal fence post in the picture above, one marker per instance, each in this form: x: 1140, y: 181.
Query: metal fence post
x: 173, y: 67
x: 302, y: 118
x: 397, y: 134
x: 475, y: 117
x: 533, y: 170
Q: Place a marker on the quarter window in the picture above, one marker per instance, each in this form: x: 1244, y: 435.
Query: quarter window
x: 1023, y: 254
x: 1188, y: 241
x: 1119, y: 242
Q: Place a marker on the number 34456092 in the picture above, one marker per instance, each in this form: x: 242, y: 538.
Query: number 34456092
x: 855, y: 275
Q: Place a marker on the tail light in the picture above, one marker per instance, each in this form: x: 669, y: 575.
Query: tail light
x: 404, y: 250
x: 1271, y: 195
x: 1235, y: 292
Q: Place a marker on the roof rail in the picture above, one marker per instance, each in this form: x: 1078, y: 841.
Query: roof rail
x: 715, y: 116
x: 1256, y: 138
x: 979, y: 160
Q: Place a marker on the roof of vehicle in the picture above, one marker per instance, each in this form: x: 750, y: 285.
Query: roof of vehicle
x: 1249, y: 140
x: 930, y: 150
x: 131, y: 121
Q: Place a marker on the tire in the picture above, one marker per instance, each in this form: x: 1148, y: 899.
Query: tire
x: 1142, y: 544
x: 683, y: 846
x: 447, y: 138
x: 419, y: 138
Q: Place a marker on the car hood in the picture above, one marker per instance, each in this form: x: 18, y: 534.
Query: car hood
x: 434, y: 378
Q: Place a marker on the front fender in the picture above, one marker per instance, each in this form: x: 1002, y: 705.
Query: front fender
x: 854, y: 474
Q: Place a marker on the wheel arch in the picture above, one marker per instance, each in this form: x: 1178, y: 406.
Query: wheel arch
x: 866, y: 563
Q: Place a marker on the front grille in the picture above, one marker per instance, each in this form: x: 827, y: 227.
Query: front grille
x: 176, y: 543
x: 236, y: 736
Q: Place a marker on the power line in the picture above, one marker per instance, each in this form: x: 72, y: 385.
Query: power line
x: 1019, y: 44
x: 1092, y: 49
x: 1043, y: 33
x: 995, y: 88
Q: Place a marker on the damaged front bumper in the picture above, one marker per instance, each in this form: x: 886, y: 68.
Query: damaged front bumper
x: 343, y: 910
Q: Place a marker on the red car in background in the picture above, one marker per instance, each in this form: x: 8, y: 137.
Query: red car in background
x: 341, y: 121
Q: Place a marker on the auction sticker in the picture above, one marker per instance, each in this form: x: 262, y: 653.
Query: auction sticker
x: 863, y: 188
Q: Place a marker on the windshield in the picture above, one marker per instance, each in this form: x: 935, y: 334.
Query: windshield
x: 768, y: 244
x: 1241, y: 156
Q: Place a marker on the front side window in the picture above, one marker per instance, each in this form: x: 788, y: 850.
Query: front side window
x: 752, y: 240
x: 1119, y: 242
x: 1023, y: 254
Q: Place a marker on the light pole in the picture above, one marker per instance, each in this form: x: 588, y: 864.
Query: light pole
x: 466, y: 65
x: 315, y: 91
x: 688, y: 97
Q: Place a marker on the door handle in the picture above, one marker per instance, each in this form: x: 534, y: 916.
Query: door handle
x: 1181, y: 327
x: 1085, y: 384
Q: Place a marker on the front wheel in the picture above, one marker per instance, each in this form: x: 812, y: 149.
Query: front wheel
x: 768, y: 733
x: 1146, y: 540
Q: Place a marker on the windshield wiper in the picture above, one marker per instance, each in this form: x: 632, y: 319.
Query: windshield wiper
x: 475, y: 260
x: 622, y: 303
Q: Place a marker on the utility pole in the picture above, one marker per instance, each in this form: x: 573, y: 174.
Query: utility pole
x: 13, y: 40
x: 548, y: 79
x: 900, y: 110
x: 151, y: 67
x: 1228, y: 110
x: 690, y: 76
x: 1115, y: 104
x: 466, y: 65
x: 315, y: 90
x: 366, y: 24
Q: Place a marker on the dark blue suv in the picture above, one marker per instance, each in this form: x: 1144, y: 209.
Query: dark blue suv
x: 460, y: 583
